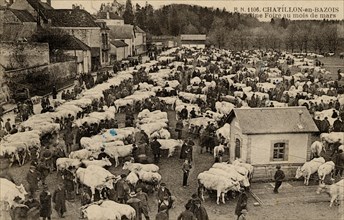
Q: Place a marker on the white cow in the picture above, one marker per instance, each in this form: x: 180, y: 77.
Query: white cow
x: 118, y: 151
x: 8, y: 191
x: 325, y: 169
x: 309, y: 168
x: 316, y: 148
x: 138, y: 166
x: 63, y: 163
x: 102, y: 163
x: 335, y: 191
x: 96, y: 177
x: 80, y: 154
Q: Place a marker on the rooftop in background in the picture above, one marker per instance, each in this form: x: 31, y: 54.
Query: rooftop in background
x: 64, y: 42
x: 108, y: 15
x: 273, y: 120
x: 70, y: 18
x: 121, y: 31
x: 118, y: 43
x: 23, y: 15
x: 193, y: 37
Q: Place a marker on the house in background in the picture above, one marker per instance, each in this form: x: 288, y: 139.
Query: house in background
x: 193, y: 40
x: 119, y: 50
x: 140, y: 41
x: 265, y: 137
x: 105, y: 44
x: 110, y: 18
x: 67, y: 47
x: 124, y: 33
x: 17, y: 25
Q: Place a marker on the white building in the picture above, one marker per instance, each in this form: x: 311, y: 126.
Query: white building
x: 265, y: 137
x: 193, y: 40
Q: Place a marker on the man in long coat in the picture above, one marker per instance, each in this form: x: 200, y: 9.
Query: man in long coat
x: 121, y: 189
x: 59, y: 198
x: 45, y: 200
x: 155, y: 146
x: 200, y: 212
x: 32, y: 178
x: 136, y: 204
x: 242, y: 202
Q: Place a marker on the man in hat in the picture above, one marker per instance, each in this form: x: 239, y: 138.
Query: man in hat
x: 59, y: 198
x: 45, y: 201
x: 279, y: 177
x: 136, y: 203
x: 8, y: 126
x: 164, y: 197
x: 102, y: 154
x: 155, y: 146
x: 32, y: 178
x: 144, y: 199
x: 179, y: 128
x: 186, y: 170
x: 122, y: 188
x: 187, y: 214
x: 184, y: 113
x: 200, y: 212
x: 242, y: 202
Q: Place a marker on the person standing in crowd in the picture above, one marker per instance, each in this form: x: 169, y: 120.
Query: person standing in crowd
x: 136, y: 203
x: 339, y: 163
x: 43, y: 170
x: 47, y: 156
x: 242, y: 203
x: 8, y: 125
x: 187, y: 214
x: 200, y: 212
x: 121, y: 189
x: 184, y: 113
x: 279, y: 177
x: 59, y: 198
x: 144, y: 199
x: 186, y: 170
x: 14, y: 129
x: 218, y: 153
x: 335, y: 147
x: 32, y: 178
x: 164, y: 197
x: 155, y: 146
x: 45, y: 201
x: 54, y: 92
x: 179, y: 128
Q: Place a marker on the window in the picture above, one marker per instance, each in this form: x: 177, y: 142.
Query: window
x: 280, y: 151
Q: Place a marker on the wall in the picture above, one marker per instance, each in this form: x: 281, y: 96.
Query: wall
x: 14, y: 55
x: 83, y: 60
x: 40, y: 79
x: 112, y: 22
x: 18, y: 31
x: 90, y: 36
x: 235, y: 132
x: 261, y: 148
x: 24, y: 5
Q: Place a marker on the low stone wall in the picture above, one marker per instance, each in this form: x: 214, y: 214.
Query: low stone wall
x: 39, y: 80
x: 267, y: 172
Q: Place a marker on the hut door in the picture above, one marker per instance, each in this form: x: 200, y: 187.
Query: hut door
x: 237, y: 148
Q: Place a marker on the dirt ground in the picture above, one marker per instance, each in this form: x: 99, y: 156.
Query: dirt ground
x: 295, y: 201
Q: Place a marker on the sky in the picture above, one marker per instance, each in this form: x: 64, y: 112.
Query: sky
x: 264, y: 10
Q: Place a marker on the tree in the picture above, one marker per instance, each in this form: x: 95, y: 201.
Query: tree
x: 218, y: 33
x: 128, y: 14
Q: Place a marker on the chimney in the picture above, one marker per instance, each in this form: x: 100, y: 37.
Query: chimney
x: 49, y: 2
x: 107, y: 15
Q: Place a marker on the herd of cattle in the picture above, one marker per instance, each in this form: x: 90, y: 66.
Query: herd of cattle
x: 210, y: 82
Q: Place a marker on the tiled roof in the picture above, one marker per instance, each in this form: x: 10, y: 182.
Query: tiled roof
x: 273, y: 120
x: 64, y: 42
x: 118, y: 43
x: 138, y: 30
x: 70, y: 18
x: 23, y: 15
x: 39, y: 7
x: 113, y: 16
x: 193, y: 37
x: 46, y: 6
x: 121, y: 31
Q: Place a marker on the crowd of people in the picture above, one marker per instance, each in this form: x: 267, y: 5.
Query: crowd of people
x: 43, y: 161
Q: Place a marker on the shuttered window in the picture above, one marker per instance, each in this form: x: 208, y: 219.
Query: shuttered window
x: 279, y: 151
